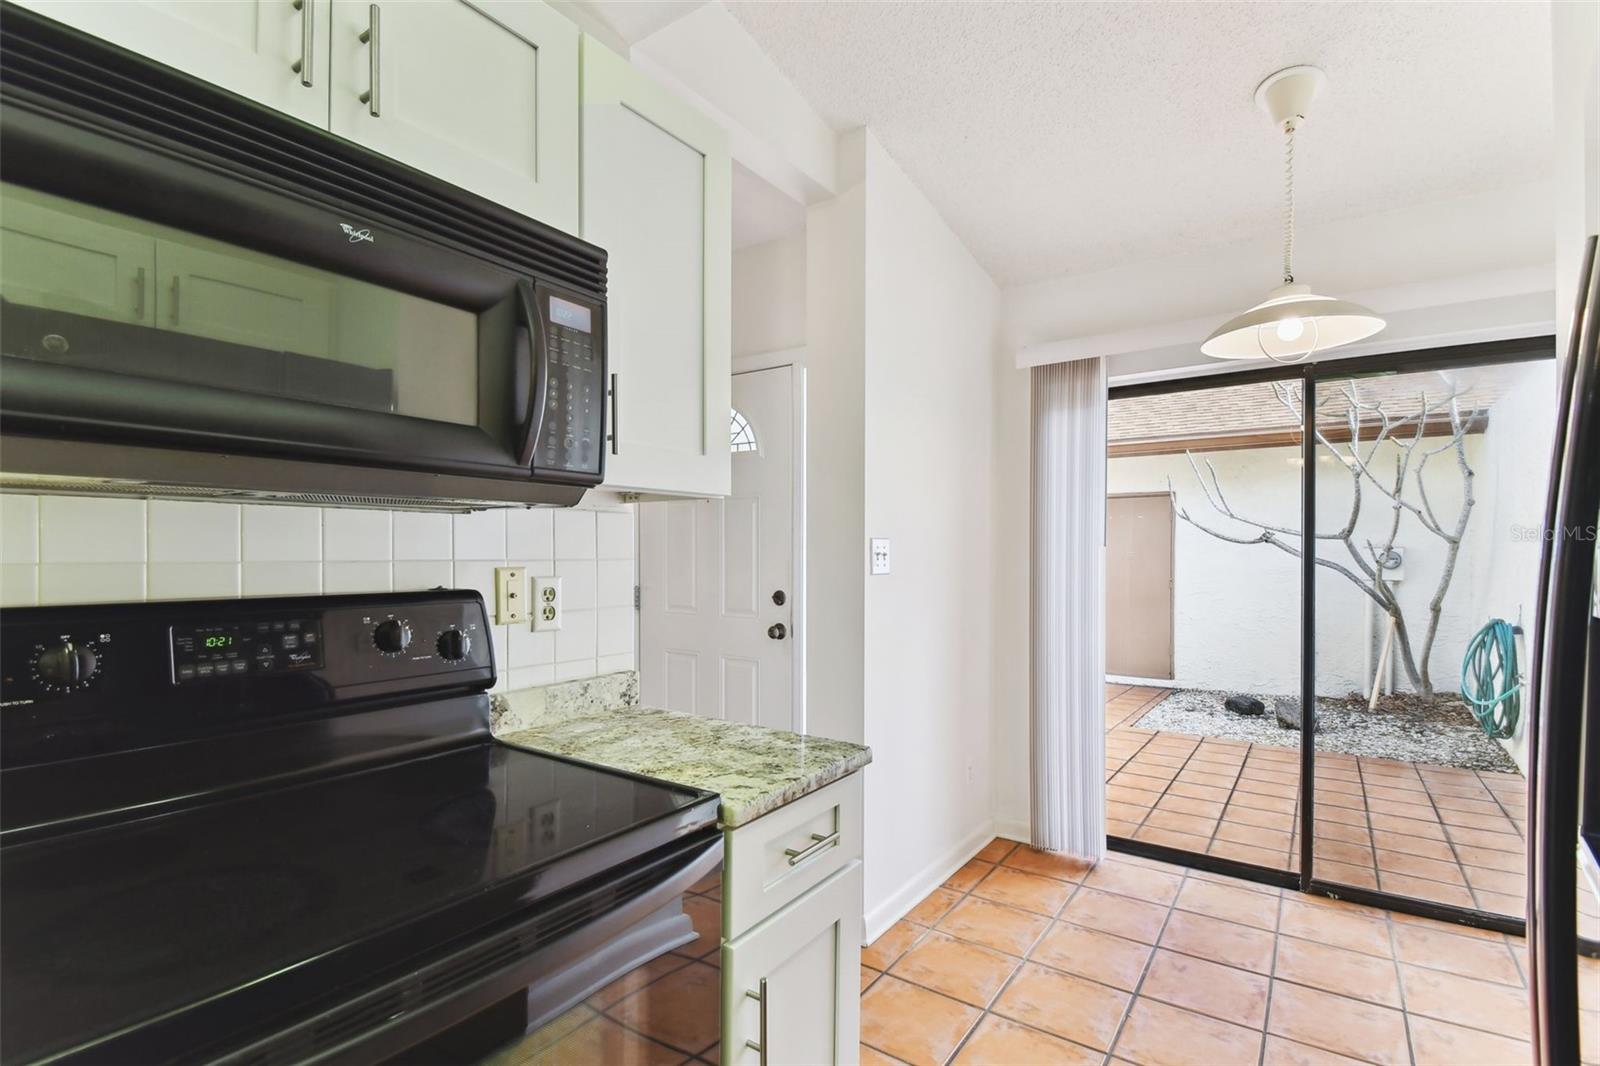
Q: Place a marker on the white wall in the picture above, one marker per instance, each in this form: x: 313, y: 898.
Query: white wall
x: 769, y: 296
x: 68, y: 549
x: 1512, y: 479
x: 836, y: 548
x: 930, y: 338
x: 1575, y: 46
x: 1236, y: 607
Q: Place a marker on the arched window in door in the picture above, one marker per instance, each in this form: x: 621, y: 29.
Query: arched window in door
x: 741, y: 434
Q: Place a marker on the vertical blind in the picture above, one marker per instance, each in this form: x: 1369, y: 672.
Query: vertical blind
x: 1067, y: 699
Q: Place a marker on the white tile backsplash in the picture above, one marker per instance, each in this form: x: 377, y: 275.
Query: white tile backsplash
x: 480, y: 535
x: 186, y: 532
x: 90, y: 582
x: 193, y: 581
x: 76, y: 529
x: 614, y: 583
x: 530, y: 534
x: 357, y: 577
x: 575, y: 535
x: 575, y: 639
x: 278, y: 534
x: 577, y: 584
x: 354, y: 536
x: 419, y: 535
x: 614, y: 535
x: 67, y: 549
x: 19, y: 584
x: 282, y: 578
x: 19, y: 529
x: 417, y: 575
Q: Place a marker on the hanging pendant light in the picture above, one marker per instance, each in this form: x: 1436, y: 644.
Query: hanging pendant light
x: 1292, y: 323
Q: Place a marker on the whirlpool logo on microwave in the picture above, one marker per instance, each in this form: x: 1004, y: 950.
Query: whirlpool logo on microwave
x: 356, y: 235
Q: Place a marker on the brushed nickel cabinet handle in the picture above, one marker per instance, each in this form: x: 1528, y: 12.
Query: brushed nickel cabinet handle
x: 370, y: 38
x: 308, y: 43
x: 819, y: 843
x: 138, y: 293
x: 760, y: 1048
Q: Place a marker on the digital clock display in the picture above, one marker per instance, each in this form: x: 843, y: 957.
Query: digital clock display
x: 220, y: 640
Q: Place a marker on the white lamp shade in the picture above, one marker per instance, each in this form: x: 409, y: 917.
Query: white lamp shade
x: 1292, y: 323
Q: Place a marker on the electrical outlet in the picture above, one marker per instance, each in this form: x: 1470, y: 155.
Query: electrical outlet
x: 547, y: 823
x: 510, y: 595
x: 546, y: 603
x: 880, y: 555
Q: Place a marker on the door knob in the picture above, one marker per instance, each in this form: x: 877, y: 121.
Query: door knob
x: 777, y: 631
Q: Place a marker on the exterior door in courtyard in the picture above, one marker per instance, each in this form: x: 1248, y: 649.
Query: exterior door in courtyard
x: 1139, y: 585
x: 716, y: 577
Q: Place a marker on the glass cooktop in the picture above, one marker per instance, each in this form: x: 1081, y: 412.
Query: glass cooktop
x: 106, y: 927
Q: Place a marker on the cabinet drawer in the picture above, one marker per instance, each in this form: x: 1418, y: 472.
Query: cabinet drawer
x: 775, y: 858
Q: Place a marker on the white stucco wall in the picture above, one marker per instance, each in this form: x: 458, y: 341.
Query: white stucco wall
x: 1237, y: 607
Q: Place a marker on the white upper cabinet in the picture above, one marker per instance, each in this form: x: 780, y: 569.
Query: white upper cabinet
x: 271, y: 51
x: 483, y: 95
x: 657, y: 197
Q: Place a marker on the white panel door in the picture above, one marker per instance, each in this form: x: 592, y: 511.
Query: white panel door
x: 716, y: 599
x: 657, y: 197
x: 484, y: 95
x: 267, y: 50
x: 801, y: 967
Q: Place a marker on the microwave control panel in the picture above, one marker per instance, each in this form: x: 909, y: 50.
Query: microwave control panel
x: 572, y: 435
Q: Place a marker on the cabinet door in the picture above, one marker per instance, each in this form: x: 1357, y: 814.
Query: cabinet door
x: 483, y: 95
x: 242, y: 298
x: 72, y: 262
x: 806, y: 963
x: 270, y: 51
x: 657, y: 197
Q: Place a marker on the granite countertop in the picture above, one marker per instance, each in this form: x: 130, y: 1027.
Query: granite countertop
x: 756, y: 770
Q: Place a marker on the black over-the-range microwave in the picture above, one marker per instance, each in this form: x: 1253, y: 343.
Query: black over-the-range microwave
x: 200, y: 296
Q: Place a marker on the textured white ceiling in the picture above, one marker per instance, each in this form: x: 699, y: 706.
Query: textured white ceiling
x: 1061, y: 138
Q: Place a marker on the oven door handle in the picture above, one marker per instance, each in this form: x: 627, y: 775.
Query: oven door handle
x: 538, y: 374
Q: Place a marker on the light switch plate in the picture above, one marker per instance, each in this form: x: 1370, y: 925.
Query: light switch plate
x: 546, y: 603
x: 510, y: 595
x: 880, y: 555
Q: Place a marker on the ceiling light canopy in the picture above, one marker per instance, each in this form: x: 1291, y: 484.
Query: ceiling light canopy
x: 1292, y: 323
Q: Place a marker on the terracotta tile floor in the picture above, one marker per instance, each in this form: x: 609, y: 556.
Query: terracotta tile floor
x: 1026, y: 957
x: 1429, y: 832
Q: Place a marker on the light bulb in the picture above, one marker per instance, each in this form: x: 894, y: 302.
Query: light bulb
x: 1290, y: 329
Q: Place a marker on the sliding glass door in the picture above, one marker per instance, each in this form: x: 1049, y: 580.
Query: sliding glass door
x: 1203, y: 622
x: 1317, y: 652
x: 1430, y: 491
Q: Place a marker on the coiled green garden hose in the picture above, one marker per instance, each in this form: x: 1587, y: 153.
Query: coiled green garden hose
x: 1490, y: 682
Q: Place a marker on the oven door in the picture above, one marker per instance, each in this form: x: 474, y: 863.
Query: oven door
x: 182, y: 272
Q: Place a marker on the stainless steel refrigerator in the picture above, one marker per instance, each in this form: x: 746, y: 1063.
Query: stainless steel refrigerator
x: 1564, y: 778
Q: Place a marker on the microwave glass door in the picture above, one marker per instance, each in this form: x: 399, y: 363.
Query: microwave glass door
x: 99, y: 290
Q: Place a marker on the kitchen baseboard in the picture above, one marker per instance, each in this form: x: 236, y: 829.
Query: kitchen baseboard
x: 1013, y: 830
x: 925, y: 881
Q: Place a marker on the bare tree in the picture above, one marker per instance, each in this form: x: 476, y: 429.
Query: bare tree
x: 1366, y: 569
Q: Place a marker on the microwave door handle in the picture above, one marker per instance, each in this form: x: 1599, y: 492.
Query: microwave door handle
x: 538, y: 376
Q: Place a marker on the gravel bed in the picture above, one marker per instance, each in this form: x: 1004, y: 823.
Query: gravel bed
x: 1446, y: 736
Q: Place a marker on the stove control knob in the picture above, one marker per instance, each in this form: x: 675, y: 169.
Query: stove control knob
x: 392, y: 636
x: 66, y: 664
x: 454, y: 645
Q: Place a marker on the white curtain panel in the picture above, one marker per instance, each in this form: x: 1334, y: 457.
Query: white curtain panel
x: 1068, y: 692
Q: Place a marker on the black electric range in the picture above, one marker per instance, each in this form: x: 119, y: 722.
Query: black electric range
x: 278, y: 830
